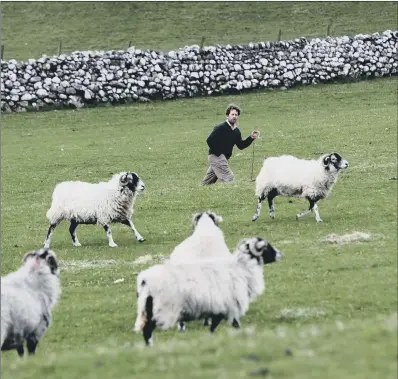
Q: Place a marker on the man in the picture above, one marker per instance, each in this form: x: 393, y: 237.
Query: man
x: 221, y: 142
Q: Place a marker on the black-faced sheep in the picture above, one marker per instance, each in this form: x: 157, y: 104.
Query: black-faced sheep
x: 95, y: 203
x: 293, y: 177
x: 219, y: 289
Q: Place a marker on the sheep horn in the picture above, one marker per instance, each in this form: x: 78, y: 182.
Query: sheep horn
x: 326, y: 160
x: 123, y: 180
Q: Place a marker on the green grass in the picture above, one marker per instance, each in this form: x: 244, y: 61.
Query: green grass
x: 333, y: 306
x: 348, y: 292
x: 30, y: 29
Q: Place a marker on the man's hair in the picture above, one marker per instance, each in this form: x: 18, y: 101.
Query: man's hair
x: 232, y: 107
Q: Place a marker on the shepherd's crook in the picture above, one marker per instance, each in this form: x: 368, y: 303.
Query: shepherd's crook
x: 251, y: 175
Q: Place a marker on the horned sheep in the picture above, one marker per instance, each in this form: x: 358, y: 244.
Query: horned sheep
x: 95, y: 203
x: 293, y: 177
x: 206, y: 242
x: 220, y: 289
x: 28, y: 297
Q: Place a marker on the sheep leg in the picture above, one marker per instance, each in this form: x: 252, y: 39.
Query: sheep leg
x: 206, y: 322
x: 109, y: 235
x: 20, y: 350
x: 317, y: 217
x: 49, y: 235
x: 235, y: 323
x: 258, y: 209
x: 313, y: 207
x: 271, y: 196
x: 147, y: 332
x: 181, y: 326
x: 31, y: 343
x: 72, y: 231
x: 150, y: 324
x: 137, y: 235
x: 215, y: 321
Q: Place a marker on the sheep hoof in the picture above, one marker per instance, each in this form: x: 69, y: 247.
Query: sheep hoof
x: 254, y: 218
x: 141, y: 239
x: 319, y: 220
x: 112, y: 245
x: 77, y: 244
x: 181, y: 328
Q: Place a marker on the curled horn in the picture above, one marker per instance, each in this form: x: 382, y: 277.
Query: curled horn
x: 195, y: 218
x: 326, y: 161
x: 257, y: 245
x: 29, y: 254
x: 123, y: 180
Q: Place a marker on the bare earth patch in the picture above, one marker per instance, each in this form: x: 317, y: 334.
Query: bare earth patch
x: 74, y: 265
x: 301, y: 313
x: 347, y: 238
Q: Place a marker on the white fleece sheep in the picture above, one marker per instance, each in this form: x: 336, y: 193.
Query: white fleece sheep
x: 206, y: 242
x: 293, y: 177
x: 95, y: 203
x: 28, y: 297
x: 220, y: 289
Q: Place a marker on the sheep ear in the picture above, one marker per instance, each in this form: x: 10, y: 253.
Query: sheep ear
x: 216, y: 219
x: 326, y: 161
x: 196, y: 218
x: 29, y: 254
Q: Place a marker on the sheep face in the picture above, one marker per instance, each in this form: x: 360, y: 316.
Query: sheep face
x: 197, y: 216
x: 43, y: 260
x: 334, y: 162
x: 260, y: 250
x: 132, y: 181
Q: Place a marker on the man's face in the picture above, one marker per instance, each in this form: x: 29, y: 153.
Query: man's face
x: 233, y: 116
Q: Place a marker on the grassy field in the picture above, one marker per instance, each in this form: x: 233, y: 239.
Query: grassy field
x: 334, y: 306
x: 329, y: 310
x: 30, y: 29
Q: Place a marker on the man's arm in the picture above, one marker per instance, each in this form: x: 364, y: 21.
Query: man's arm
x: 242, y: 144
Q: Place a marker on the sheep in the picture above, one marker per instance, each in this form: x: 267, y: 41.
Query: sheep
x: 293, y: 177
x: 207, y: 241
x: 28, y: 297
x: 220, y: 289
x: 95, y: 203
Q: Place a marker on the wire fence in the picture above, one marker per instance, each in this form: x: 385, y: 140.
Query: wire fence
x: 59, y: 50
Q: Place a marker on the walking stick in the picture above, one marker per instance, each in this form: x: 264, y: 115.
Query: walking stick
x: 254, y: 142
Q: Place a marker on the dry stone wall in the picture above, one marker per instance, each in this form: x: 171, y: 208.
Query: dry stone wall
x: 115, y: 77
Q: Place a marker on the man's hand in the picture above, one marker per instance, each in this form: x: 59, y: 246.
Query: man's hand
x: 255, y: 134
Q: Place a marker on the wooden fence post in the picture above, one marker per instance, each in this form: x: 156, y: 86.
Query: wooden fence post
x: 280, y: 34
x: 60, y: 48
x: 202, y: 43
